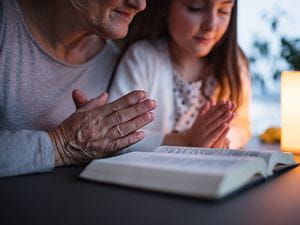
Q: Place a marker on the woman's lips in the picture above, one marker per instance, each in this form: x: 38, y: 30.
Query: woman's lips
x: 124, y: 15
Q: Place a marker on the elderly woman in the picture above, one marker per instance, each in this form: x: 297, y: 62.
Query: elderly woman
x: 48, y: 50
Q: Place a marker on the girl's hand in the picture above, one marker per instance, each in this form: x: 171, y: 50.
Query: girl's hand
x: 211, y: 126
x: 222, y: 142
x: 209, y: 129
x: 97, y: 129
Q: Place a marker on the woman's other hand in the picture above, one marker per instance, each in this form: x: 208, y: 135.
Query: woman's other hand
x: 97, y: 129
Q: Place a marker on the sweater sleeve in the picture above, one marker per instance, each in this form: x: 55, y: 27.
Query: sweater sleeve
x: 134, y: 73
x: 240, y: 129
x: 26, y: 151
x: 1, y: 21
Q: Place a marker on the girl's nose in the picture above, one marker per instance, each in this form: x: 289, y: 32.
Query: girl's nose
x: 139, y: 5
x: 209, y: 21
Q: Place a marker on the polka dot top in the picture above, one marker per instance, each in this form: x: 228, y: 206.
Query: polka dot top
x: 188, y: 100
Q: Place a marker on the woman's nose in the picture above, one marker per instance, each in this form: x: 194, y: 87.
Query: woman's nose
x: 138, y: 4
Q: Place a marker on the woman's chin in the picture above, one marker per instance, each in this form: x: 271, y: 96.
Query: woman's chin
x: 115, y: 34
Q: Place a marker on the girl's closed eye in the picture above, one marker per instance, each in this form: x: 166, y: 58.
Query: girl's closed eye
x: 195, y: 8
x: 225, y: 10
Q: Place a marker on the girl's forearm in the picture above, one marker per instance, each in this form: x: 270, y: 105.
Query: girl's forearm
x: 176, y: 139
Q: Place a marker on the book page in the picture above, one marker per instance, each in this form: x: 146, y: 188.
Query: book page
x: 207, y: 164
x: 265, y: 155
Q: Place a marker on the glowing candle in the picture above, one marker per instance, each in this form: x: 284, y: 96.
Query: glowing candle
x: 290, y: 111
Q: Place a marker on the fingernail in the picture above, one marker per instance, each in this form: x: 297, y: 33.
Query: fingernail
x: 234, y: 106
x: 150, y: 104
x: 228, y: 114
x: 140, y: 95
x: 154, y: 103
x: 152, y: 115
x: 147, y: 104
x: 103, y: 94
x: 140, y: 135
x: 228, y: 104
x: 148, y: 116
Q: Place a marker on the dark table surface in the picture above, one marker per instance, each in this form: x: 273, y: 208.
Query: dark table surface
x: 61, y: 197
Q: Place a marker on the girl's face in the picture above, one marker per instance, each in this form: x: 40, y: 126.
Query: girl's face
x: 196, y: 26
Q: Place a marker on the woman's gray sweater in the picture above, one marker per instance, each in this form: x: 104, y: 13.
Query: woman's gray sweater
x: 35, y: 93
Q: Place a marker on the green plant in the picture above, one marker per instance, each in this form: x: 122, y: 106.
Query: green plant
x: 290, y: 51
x: 287, y: 56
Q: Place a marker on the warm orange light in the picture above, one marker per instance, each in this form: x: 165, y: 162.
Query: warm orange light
x: 290, y: 111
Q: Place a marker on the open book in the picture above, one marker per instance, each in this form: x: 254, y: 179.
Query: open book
x: 199, y: 172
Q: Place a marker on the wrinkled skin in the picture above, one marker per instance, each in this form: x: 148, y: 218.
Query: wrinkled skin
x: 97, y: 129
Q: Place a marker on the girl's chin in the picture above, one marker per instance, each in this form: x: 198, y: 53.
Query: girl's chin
x: 201, y: 53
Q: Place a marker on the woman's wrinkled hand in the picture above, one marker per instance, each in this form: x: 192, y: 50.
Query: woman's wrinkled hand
x: 97, y: 129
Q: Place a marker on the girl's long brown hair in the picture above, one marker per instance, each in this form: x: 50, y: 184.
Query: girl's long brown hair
x: 223, y: 61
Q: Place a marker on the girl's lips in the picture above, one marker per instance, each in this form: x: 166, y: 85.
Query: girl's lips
x: 203, y: 40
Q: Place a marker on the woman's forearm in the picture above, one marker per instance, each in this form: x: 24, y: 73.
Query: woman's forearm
x: 25, y: 151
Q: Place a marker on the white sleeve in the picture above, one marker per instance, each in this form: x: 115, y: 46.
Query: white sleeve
x: 240, y: 129
x: 26, y: 151
x: 133, y: 73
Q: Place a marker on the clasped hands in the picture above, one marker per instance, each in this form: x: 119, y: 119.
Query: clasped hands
x: 210, y: 128
x: 98, y: 129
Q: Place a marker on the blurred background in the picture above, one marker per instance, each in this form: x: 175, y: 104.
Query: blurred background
x: 269, y: 34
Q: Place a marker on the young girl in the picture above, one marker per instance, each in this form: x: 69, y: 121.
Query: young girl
x: 184, y: 54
